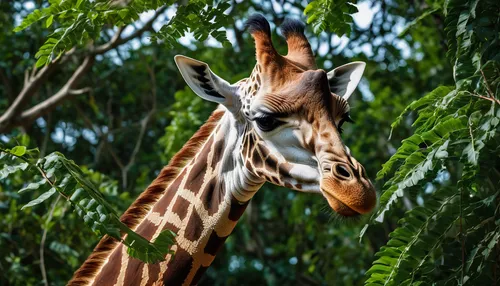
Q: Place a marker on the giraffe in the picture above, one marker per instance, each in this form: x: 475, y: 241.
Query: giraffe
x: 280, y: 125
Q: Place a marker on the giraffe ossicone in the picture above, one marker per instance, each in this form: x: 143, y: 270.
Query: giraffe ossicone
x: 280, y: 125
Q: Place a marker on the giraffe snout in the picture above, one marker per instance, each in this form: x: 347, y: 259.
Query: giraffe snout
x: 347, y: 190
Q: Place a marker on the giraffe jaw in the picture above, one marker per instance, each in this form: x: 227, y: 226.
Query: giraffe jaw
x: 338, y: 206
x: 349, y: 198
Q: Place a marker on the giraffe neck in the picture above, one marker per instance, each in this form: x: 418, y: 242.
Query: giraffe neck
x: 202, y: 204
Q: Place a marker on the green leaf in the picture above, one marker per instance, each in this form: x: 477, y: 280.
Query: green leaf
x: 68, y: 179
x: 18, y: 151
x: 33, y: 186
x: 49, y: 20
x: 41, y: 61
x: 43, y: 197
x: 418, y: 234
x: 123, y: 13
x: 32, y: 18
x: 78, y: 3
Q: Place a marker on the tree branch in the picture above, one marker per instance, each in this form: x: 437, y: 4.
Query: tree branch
x: 79, y: 91
x: 31, y: 85
x: 53, y: 101
x: 488, y: 89
x: 117, y: 40
x: 15, y: 116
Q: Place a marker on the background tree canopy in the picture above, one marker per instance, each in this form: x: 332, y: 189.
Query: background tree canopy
x: 96, y: 81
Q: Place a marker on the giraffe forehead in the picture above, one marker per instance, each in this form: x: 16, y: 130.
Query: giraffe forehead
x: 304, y: 91
x: 291, y: 91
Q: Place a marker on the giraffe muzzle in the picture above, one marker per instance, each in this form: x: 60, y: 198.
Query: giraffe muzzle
x: 347, y: 190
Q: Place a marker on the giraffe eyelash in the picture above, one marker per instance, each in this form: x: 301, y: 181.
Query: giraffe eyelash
x: 345, y: 118
x: 267, y: 122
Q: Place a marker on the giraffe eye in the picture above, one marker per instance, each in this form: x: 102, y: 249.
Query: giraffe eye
x: 267, y: 123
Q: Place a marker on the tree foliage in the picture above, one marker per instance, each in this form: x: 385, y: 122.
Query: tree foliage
x: 453, y: 154
x: 78, y: 21
x: 432, y: 66
x: 63, y: 176
x: 331, y: 15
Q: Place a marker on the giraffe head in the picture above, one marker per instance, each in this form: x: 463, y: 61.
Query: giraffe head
x: 291, y: 114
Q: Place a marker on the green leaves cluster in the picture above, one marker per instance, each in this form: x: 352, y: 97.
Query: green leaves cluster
x: 200, y: 18
x: 77, y: 22
x: 63, y: 176
x: 454, y: 127
x: 331, y: 15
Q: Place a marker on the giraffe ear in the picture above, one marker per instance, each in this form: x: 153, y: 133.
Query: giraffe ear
x: 205, y: 83
x: 344, y: 79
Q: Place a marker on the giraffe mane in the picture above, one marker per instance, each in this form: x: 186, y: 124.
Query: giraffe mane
x: 143, y: 204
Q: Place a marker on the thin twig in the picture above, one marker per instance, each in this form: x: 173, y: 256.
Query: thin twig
x: 42, y: 242
x: 117, y: 160
x: 485, y: 97
x: 44, y: 175
x: 490, y: 93
x: 79, y: 91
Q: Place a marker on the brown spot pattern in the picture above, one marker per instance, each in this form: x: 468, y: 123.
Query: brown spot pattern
x: 198, y: 275
x: 218, y: 149
x: 212, y: 196
x: 214, y: 243
x: 284, y: 168
x: 171, y: 226
x: 263, y: 150
x: 194, y: 227
x: 146, y: 229
x: 236, y: 209
x: 180, y: 207
x: 197, y: 173
x: 178, y: 268
x: 271, y: 163
x: 249, y: 166
x: 153, y: 273
x: 256, y: 159
x: 163, y: 203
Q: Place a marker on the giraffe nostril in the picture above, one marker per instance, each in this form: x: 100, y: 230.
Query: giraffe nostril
x: 342, y: 171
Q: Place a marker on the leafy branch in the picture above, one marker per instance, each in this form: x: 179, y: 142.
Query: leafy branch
x: 63, y: 176
x: 81, y: 21
x: 454, y: 126
x: 76, y: 27
x: 330, y: 15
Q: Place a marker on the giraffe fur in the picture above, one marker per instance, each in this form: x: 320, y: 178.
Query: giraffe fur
x: 281, y: 125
